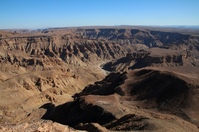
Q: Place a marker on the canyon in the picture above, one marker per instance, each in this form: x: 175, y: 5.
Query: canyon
x: 99, y: 79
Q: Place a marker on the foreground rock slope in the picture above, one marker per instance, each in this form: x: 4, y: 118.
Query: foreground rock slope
x: 137, y: 100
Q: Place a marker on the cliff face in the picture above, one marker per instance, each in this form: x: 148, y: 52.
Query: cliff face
x: 134, y: 100
x: 92, y: 45
x: 104, y: 43
x: 154, y: 57
x: 169, y: 60
x: 68, y: 49
x: 134, y: 36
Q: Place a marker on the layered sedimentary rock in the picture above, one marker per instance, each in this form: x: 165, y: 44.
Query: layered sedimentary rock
x: 136, y: 100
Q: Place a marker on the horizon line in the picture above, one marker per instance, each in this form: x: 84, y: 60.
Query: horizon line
x: 59, y: 27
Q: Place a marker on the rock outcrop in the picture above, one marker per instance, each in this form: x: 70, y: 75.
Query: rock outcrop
x: 153, y: 57
x: 137, y: 100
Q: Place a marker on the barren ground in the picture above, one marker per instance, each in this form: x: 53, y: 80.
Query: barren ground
x: 149, y: 80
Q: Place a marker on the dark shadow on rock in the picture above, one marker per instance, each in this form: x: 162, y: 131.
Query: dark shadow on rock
x: 75, y: 112
x: 107, y: 86
x: 49, y: 107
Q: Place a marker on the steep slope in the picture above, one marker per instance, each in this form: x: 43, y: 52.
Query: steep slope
x: 137, y: 100
x: 150, y: 37
x: 35, y: 72
x: 157, y: 58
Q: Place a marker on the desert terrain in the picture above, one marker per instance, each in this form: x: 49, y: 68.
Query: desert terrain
x: 119, y: 78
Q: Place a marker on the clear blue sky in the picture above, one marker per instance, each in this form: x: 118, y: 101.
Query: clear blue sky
x: 66, y: 13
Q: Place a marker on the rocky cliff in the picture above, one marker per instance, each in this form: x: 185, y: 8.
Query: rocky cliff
x: 134, y: 100
x: 144, y: 36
